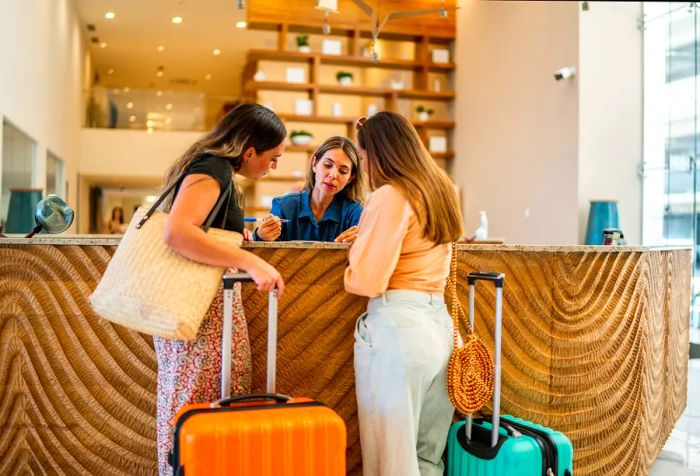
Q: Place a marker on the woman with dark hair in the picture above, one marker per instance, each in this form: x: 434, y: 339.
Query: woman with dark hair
x: 248, y: 140
x: 330, y: 204
x: 400, y: 260
x: 116, y: 223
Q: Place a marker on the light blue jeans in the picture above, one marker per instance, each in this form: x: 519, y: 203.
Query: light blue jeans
x: 402, y: 345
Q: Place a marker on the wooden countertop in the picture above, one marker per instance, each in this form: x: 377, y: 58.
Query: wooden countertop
x: 111, y: 240
x: 595, y: 344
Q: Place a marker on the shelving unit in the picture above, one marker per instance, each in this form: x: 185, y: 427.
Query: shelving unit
x: 318, y: 88
x: 346, y: 60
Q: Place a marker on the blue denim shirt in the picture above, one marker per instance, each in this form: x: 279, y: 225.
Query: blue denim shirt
x: 302, y: 225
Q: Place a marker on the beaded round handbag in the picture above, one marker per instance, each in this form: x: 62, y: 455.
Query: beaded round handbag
x: 470, y: 371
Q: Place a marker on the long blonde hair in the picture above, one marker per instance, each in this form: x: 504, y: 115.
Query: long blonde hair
x: 356, y: 189
x: 245, y: 126
x: 396, y: 156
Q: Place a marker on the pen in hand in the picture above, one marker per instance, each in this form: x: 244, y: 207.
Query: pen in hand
x: 254, y: 220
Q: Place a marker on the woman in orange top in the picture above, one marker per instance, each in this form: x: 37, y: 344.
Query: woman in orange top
x: 400, y: 260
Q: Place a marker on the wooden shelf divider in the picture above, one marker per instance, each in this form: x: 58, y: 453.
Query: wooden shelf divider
x: 442, y: 155
x: 433, y: 124
x: 301, y: 148
x: 351, y: 90
x: 348, y: 60
x: 278, y: 86
x: 318, y: 119
x: 282, y: 178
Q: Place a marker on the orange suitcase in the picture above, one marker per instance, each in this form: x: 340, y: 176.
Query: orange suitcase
x: 257, y: 434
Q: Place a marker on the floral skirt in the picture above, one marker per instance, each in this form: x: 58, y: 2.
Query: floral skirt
x: 190, y: 371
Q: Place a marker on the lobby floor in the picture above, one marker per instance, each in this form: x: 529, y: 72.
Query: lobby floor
x: 681, y: 454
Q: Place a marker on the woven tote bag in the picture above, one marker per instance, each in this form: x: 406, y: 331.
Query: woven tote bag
x: 150, y: 288
x: 470, y: 371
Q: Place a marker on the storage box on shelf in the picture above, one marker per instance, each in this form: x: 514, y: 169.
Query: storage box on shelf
x: 403, y: 77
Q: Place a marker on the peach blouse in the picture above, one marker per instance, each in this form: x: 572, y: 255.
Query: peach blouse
x: 390, y: 251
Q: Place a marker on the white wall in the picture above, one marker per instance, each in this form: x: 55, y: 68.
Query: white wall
x: 526, y: 143
x: 131, y: 153
x: 517, y: 128
x: 42, y: 52
x: 610, y: 112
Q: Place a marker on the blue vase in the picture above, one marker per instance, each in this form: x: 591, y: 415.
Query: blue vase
x: 603, y: 214
x: 20, y: 216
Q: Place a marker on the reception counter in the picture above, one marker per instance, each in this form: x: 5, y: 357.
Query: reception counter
x: 595, y: 344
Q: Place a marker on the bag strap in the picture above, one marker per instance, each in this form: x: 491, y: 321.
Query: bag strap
x: 456, y: 310
x: 210, y: 217
x: 215, y: 210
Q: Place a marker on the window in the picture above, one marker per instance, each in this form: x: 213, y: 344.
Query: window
x: 18, y: 155
x: 671, y: 201
x: 55, y: 181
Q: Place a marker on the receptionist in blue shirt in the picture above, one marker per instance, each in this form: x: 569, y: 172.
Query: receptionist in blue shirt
x: 329, y: 206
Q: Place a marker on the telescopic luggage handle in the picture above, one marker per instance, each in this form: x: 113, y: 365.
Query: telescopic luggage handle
x: 498, y: 279
x: 229, y: 281
x: 495, y: 276
x: 252, y: 397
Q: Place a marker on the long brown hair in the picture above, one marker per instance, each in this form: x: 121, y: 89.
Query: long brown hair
x: 121, y: 214
x: 245, y: 126
x: 396, y: 156
x: 355, y: 189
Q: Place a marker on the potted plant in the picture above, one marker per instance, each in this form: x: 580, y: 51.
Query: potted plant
x: 301, y: 137
x: 423, y: 113
x: 344, y: 77
x: 303, y: 44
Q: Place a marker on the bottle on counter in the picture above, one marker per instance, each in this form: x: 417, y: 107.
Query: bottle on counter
x: 482, y: 232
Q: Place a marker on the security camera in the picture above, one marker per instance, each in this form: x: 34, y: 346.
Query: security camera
x: 564, y: 73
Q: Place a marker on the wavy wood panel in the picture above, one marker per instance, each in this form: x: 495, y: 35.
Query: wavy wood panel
x: 595, y: 344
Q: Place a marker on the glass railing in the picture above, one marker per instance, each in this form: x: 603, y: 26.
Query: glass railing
x: 154, y: 109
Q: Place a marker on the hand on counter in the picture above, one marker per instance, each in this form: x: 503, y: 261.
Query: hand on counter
x: 348, y: 236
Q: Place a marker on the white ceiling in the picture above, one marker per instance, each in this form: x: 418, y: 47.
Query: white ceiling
x: 140, y: 26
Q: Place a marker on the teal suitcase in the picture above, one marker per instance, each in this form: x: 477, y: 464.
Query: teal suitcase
x: 523, y: 449
x: 504, y: 445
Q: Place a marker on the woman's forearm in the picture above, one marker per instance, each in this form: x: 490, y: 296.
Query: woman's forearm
x: 192, y: 242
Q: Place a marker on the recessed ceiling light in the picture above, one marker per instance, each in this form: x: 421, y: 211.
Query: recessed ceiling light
x: 103, y: 45
x: 110, y: 71
x: 129, y: 105
x: 160, y: 48
x: 159, y: 74
x: 132, y: 118
x: 216, y: 51
x: 168, y: 120
x: 126, y: 89
x: 168, y: 106
x: 207, y: 77
x: 110, y: 15
x: 159, y: 93
x: 241, y: 24
x: 177, y: 20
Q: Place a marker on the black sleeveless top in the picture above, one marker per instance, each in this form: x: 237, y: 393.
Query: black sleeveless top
x: 220, y: 169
